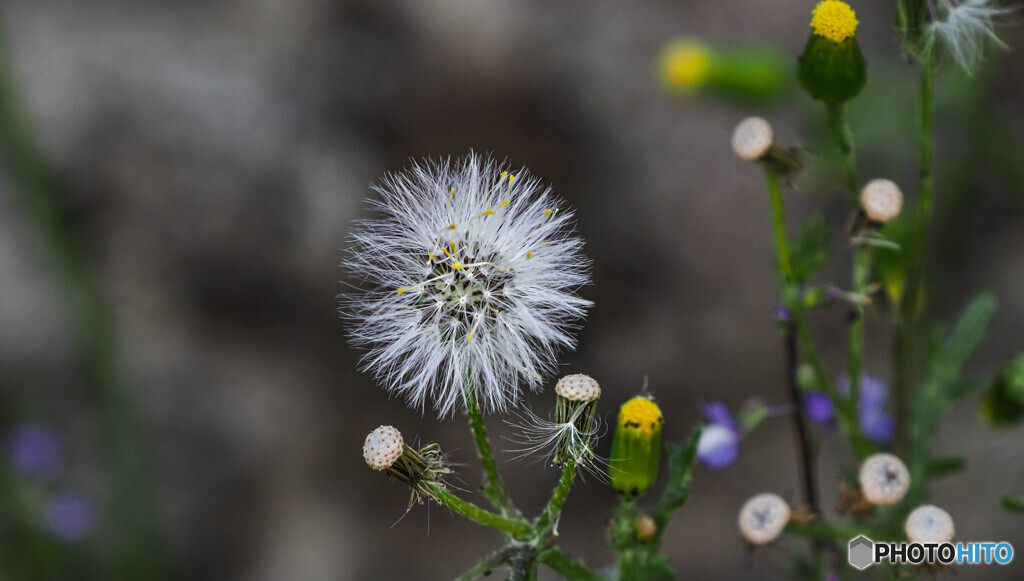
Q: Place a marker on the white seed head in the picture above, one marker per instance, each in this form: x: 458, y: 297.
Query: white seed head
x: 383, y: 447
x: 467, y: 271
x: 763, y: 517
x: 752, y: 138
x: 578, y: 387
x: 882, y: 200
x: 884, y: 479
x: 929, y: 524
x: 966, y: 28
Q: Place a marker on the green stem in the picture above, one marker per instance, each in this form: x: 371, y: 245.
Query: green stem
x: 485, y: 566
x: 563, y: 563
x: 779, y: 225
x: 478, y: 515
x: 861, y: 272
x: 494, y: 486
x: 135, y: 550
x: 917, y: 252
x: 841, y: 134
x: 547, y: 518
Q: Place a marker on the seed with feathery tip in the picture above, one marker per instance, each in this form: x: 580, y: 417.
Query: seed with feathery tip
x: 929, y: 524
x: 834, y: 20
x: 383, y: 447
x: 578, y: 387
x: 763, y: 517
x: 881, y: 200
x: 752, y: 139
x: 884, y: 479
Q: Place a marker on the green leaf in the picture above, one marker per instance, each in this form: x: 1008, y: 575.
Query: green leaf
x: 943, y: 378
x: 1013, y: 503
x: 946, y: 466
x: 681, y: 461
x: 809, y: 252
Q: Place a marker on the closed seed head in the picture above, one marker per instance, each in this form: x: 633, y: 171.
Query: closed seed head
x: 752, y: 138
x: 884, y: 479
x: 763, y: 517
x: 881, y: 200
x: 578, y: 387
x: 383, y: 447
x: 929, y: 524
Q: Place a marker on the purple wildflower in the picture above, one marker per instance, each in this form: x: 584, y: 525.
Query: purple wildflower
x: 69, y: 517
x: 878, y: 425
x: 719, y: 444
x: 34, y: 449
x: 818, y: 407
x: 782, y: 314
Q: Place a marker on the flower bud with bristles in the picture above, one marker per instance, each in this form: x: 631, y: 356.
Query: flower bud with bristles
x: 884, y: 479
x: 636, y: 447
x: 763, y: 517
x: 576, y: 405
x: 754, y: 140
x: 929, y: 524
x: 832, y: 67
x: 385, y: 450
x: 881, y: 200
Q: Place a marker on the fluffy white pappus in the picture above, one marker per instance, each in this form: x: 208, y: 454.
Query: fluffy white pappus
x: 965, y: 28
x: 543, y: 439
x: 469, y: 271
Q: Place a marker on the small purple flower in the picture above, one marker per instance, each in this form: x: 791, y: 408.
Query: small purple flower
x: 818, y: 407
x: 878, y: 425
x: 69, y: 517
x: 782, y: 314
x: 719, y: 446
x: 34, y: 449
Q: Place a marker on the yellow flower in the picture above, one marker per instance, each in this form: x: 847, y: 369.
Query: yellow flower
x: 834, y: 20
x: 640, y: 414
x: 686, y: 65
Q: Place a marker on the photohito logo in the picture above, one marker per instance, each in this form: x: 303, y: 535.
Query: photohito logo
x: 863, y: 552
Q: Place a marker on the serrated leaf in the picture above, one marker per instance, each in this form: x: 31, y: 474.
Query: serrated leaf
x: 681, y: 462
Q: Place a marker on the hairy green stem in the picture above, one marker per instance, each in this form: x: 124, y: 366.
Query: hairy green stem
x: 547, y: 518
x: 563, y: 563
x: 917, y: 252
x: 135, y: 551
x: 478, y: 515
x: 494, y: 486
x: 779, y: 225
x: 485, y: 566
x: 841, y: 134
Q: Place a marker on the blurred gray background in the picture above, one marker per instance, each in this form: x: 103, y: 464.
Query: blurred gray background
x: 216, y: 153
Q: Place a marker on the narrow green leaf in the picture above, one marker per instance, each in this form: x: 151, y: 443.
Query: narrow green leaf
x: 681, y: 462
x: 1013, y: 503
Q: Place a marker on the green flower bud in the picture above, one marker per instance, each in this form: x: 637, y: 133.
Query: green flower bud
x: 1004, y: 402
x: 832, y: 67
x: 636, y: 447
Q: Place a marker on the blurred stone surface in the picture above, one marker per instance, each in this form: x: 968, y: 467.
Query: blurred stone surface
x: 216, y: 151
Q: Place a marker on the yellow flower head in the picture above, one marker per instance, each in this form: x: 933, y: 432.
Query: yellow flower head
x: 640, y: 414
x: 834, y: 20
x: 686, y: 65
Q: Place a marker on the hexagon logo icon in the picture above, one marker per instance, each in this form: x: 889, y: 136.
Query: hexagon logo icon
x: 861, y: 552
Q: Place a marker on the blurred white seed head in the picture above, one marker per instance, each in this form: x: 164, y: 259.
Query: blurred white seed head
x: 929, y: 524
x: 881, y: 200
x: 763, y: 517
x: 383, y: 447
x: 966, y: 27
x: 468, y: 271
x: 752, y: 138
x: 884, y: 479
x: 578, y: 387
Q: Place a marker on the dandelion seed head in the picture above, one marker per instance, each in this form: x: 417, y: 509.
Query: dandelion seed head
x: 578, y: 387
x: 929, y: 524
x: 884, y: 479
x: 763, y: 517
x: 468, y: 272
x: 752, y: 138
x: 383, y: 447
x: 834, y: 20
x: 965, y: 28
x: 881, y: 200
